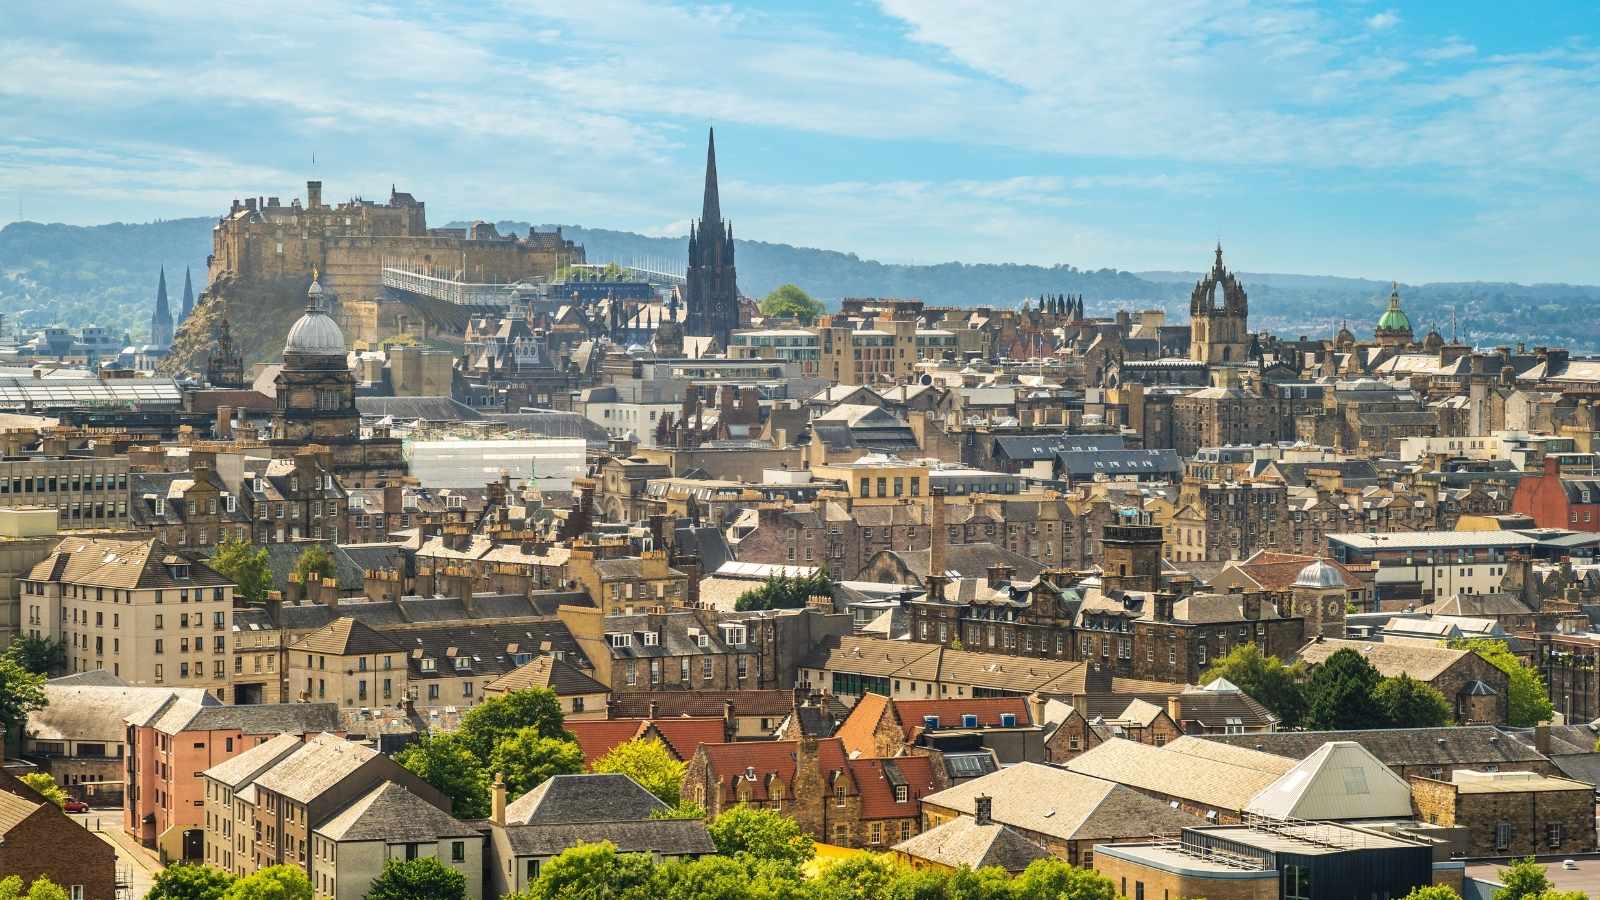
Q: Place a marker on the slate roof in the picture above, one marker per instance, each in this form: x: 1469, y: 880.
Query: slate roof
x: 763, y: 703
x: 319, y: 764
x: 247, y: 765
x: 263, y: 718
x: 393, y: 815
x: 431, y: 409
x: 93, y: 712
x: 963, y: 842
x: 1063, y: 804
x: 970, y: 560
x: 546, y: 671
x: 1041, y: 447
x: 1080, y: 464
x: 1469, y: 746
x: 281, y: 559
x: 667, y: 837
x: 582, y: 800
x: 126, y: 564
x: 1222, y: 780
x: 1424, y: 663
x: 347, y: 637
x: 1272, y: 570
x: 14, y: 810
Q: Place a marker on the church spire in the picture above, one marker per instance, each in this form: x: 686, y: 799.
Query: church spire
x: 711, y: 206
x: 188, y: 296
x: 161, y: 321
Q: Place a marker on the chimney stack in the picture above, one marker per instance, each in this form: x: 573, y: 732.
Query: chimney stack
x: 497, y: 812
x: 983, y: 808
x: 1541, y: 738
x: 1036, y: 705
x: 936, y: 544
x: 1175, y: 710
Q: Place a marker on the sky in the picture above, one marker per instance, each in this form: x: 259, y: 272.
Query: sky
x: 1415, y: 141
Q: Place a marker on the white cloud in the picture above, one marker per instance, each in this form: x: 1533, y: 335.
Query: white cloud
x: 1383, y: 21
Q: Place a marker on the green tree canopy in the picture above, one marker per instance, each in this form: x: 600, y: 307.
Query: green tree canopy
x: 760, y: 833
x: 789, y: 301
x: 314, y: 560
x: 46, y: 786
x: 246, y: 566
x: 443, y: 761
x: 496, y: 718
x: 11, y: 887
x: 685, y: 809
x: 45, y: 889
x: 1343, y: 694
x: 272, y: 883
x: 1274, y: 685
x: 39, y: 655
x: 648, y: 762
x: 859, y: 877
x: 1524, y: 878
x: 187, y: 881
x: 1054, y: 879
x: 589, y: 872
x: 527, y: 759
x: 1409, y: 703
x: 423, y: 878
x: 1432, y: 892
x: 1527, y: 701
x: 784, y: 592
x: 21, y: 692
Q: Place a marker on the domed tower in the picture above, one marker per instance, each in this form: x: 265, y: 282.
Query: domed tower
x: 316, y: 400
x: 1433, y: 341
x: 1394, y: 326
x: 1219, y: 318
x: 1318, y: 596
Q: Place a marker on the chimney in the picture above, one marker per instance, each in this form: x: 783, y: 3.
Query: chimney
x: 1251, y: 604
x: 655, y: 709
x: 313, y: 194
x: 1541, y: 738
x: 1175, y: 710
x: 224, y: 422
x: 497, y: 813
x: 936, y: 544
x: 1036, y: 704
x: 727, y: 718
x: 983, y: 807
x: 997, y: 575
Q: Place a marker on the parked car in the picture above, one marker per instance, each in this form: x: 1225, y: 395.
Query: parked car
x: 75, y: 805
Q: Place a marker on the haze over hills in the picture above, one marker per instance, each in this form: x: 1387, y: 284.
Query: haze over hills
x: 106, y: 275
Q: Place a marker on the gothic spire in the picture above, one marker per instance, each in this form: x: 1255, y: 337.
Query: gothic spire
x: 711, y: 206
x: 188, y: 295
x: 163, y: 310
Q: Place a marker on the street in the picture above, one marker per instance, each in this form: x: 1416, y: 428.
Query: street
x: 139, y: 864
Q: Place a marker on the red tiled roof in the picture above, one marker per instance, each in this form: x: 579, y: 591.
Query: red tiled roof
x: 857, y: 728
x: 729, y: 763
x: 876, y: 779
x: 910, y: 713
x: 597, y: 737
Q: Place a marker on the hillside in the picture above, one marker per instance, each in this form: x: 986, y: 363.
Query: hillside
x: 106, y: 275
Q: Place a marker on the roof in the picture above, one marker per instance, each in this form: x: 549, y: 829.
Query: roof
x: 912, y: 714
x: 347, y: 637
x: 1184, y: 770
x: 597, y: 737
x: 1066, y: 805
x: 1271, y: 570
x: 546, y: 671
x: 1424, y: 663
x: 1462, y: 745
x: 667, y: 837
x: 126, y: 564
x: 393, y: 815
x: 247, y: 765
x: 261, y: 718
x: 1470, y: 782
x: 14, y: 809
x: 322, y: 762
x: 961, y: 841
x: 77, y: 711
x: 1339, y: 780
x: 584, y: 799
x: 878, y: 780
x: 764, y: 703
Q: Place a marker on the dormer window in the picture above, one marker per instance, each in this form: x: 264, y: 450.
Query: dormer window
x: 733, y: 635
x: 179, y: 571
x: 161, y: 506
x: 521, y: 659
x: 651, y: 639
x: 261, y: 485
x: 463, y: 663
x: 620, y: 640
x: 427, y: 664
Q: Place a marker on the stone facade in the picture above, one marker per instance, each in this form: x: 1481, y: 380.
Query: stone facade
x: 1551, y: 816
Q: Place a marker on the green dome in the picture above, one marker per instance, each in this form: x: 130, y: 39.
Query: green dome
x: 1394, y: 319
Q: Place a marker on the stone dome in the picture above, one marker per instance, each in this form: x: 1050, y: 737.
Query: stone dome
x: 1319, y: 575
x: 315, y: 333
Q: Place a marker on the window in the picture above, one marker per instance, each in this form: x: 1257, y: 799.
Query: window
x: 458, y: 851
x: 1554, y: 832
x: 901, y: 793
x: 1296, y: 882
x: 1502, y: 835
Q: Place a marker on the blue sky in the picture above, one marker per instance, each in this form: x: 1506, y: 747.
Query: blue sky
x: 1390, y: 140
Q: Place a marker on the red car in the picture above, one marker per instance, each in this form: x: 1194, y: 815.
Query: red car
x: 74, y: 805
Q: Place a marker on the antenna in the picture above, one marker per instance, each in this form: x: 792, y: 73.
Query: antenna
x: 1452, y: 324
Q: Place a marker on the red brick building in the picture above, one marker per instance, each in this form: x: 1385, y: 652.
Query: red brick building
x: 38, y: 840
x: 1555, y: 501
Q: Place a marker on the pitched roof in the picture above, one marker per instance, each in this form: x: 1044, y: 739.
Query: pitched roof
x: 126, y: 564
x: 961, y: 841
x: 597, y: 737
x: 637, y: 704
x: 394, y: 815
x: 858, y: 727
x: 14, y: 809
x: 584, y: 799
x: 912, y: 714
x: 322, y: 762
x: 78, y: 711
x: 252, y: 762
x: 877, y: 779
x: 181, y: 715
x: 1340, y: 780
x: 1457, y: 746
x: 1272, y: 570
x: 1422, y: 662
x: 1221, y: 780
x: 758, y: 763
x: 668, y: 837
x: 347, y: 637
x: 1063, y: 804
x: 548, y: 672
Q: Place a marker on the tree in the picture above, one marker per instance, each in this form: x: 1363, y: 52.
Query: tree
x: 526, y: 759
x: 45, y: 889
x: 484, y: 726
x: 722, y: 878
x: 686, y: 809
x: 760, y: 833
x: 1409, y: 703
x: 1523, y: 878
x: 271, y: 883
x: 443, y: 761
x: 648, y: 762
x: 423, y: 878
x: 1054, y: 879
x: 784, y: 592
x: 187, y: 881
x: 1274, y: 685
x: 46, y: 787
x: 11, y: 887
x: 788, y: 301
x: 1343, y: 694
x: 314, y: 561
x: 856, y: 878
x: 588, y: 872
x: 21, y: 692
x: 39, y: 655
x: 979, y: 884
x: 1432, y: 892
x: 246, y: 566
x: 1527, y: 701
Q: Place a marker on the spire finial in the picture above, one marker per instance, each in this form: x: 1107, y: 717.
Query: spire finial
x: 711, y: 204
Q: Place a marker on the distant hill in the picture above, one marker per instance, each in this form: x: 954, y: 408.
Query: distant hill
x: 106, y: 275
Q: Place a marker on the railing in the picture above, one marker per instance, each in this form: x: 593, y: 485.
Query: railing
x: 458, y: 292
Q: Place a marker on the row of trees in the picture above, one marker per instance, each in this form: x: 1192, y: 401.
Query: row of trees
x: 784, y: 592
x: 245, y: 565
x: 42, y: 888
x: 763, y: 854
x: 1345, y: 692
x: 198, y: 882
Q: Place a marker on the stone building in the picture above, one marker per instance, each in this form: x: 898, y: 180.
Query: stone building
x: 1219, y: 318
x: 1476, y: 689
x: 1509, y: 814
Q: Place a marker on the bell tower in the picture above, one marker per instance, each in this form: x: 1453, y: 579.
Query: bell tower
x: 1219, y: 318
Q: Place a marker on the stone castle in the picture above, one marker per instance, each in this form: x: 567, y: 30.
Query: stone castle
x: 350, y: 243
